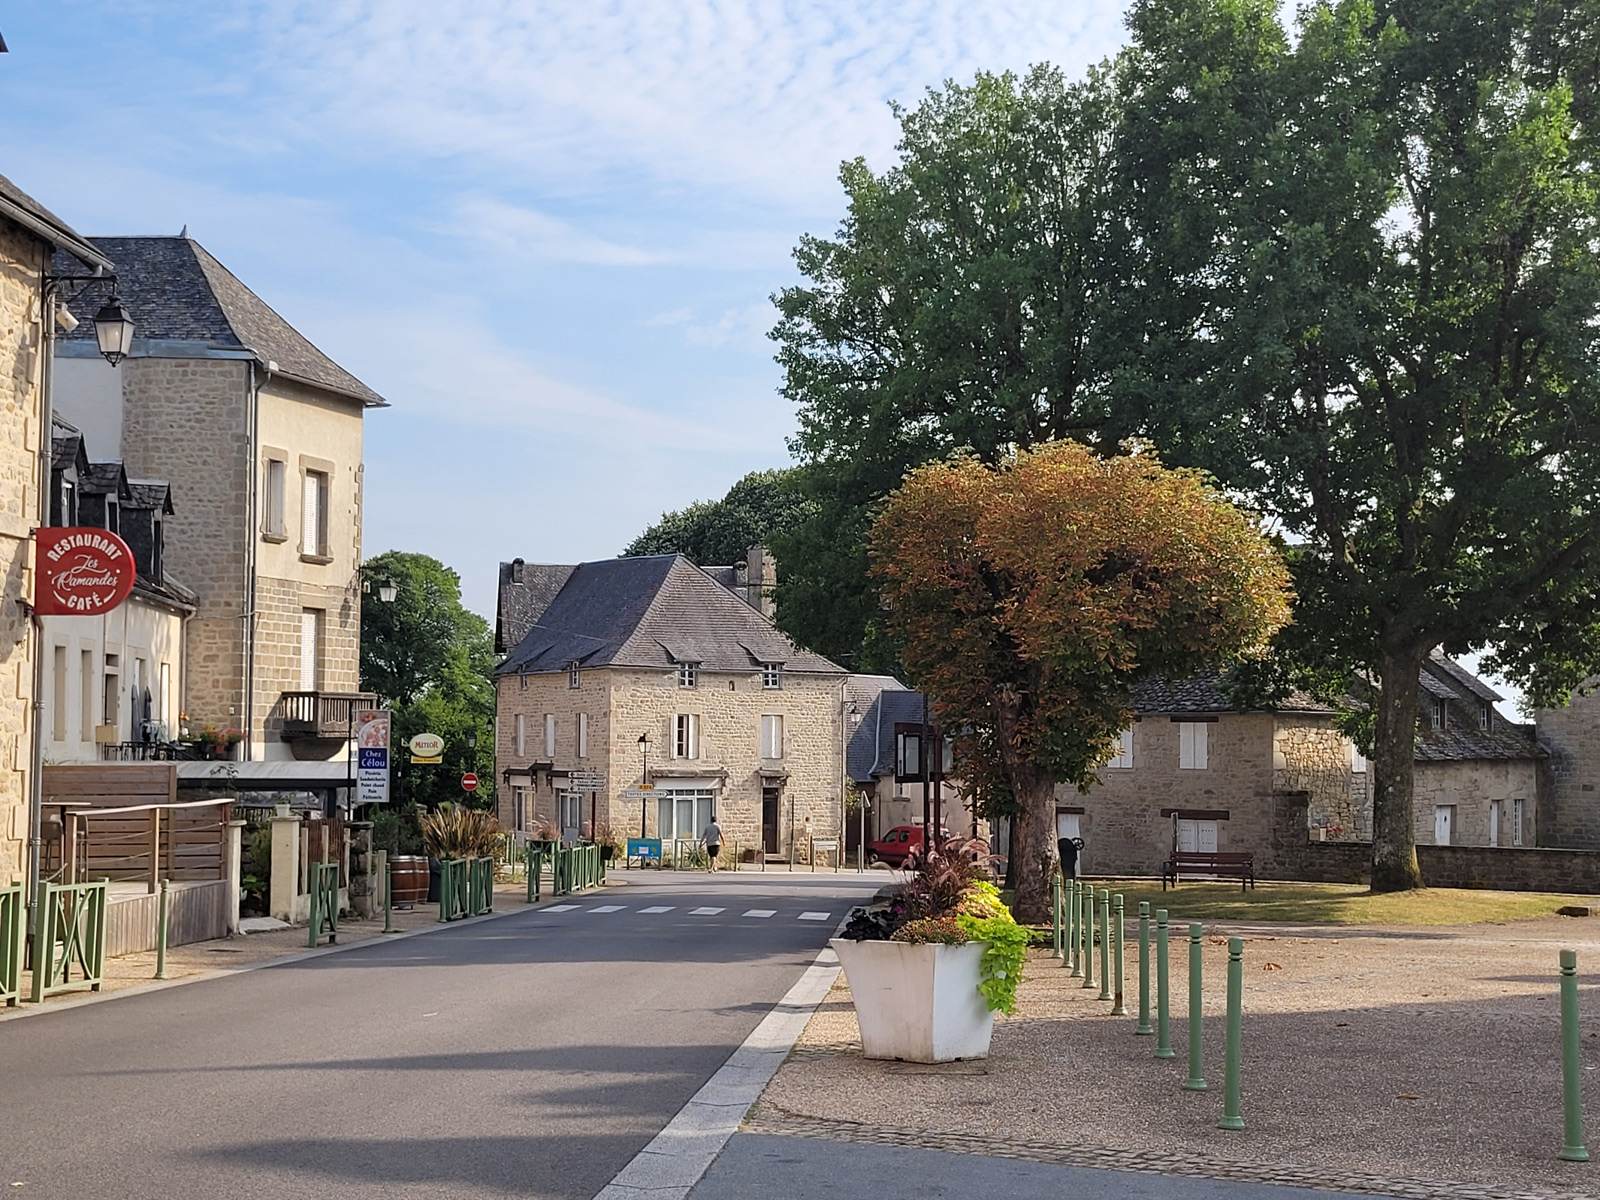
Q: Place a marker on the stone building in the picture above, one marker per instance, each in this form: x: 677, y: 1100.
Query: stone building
x: 886, y: 763
x: 30, y: 235
x: 1569, y: 802
x: 260, y: 435
x: 111, y: 684
x: 649, y: 671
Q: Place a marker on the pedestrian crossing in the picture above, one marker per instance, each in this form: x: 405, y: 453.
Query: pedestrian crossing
x: 707, y: 910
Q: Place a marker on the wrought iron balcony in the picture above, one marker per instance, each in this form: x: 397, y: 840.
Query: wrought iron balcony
x: 321, y: 714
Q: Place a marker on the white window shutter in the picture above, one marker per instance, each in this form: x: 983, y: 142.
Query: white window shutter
x: 310, y: 514
x: 522, y: 735
x: 310, y: 631
x: 583, y: 735
x: 550, y: 735
x: 1200, y: 748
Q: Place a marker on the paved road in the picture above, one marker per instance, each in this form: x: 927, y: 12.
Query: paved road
x: 529, y: 1055
x: 758, y: 1165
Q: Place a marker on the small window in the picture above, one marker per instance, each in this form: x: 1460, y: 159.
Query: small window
x: 1358, y: 761
x: 688, y: 674
x: 1518, y: 814
x: 522, y: 735
x: 1438, y: 713
x: 574, y: 678
x: 273, y: 523
x: 583, y: 735
x: 1123, y: 761
x: 908, y: 756
x: 1192, y: 745
x: 772, y: 736
x: 550, y: 735
x: 314, y: 515
x: 771, y: 676
x: 1485, y: 715
x: 686, y: 736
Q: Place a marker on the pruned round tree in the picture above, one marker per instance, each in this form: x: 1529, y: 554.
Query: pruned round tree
x: 1030, y: 596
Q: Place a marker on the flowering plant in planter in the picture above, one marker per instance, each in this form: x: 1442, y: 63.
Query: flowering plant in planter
x: 214, y: 743
x: 951, y: 900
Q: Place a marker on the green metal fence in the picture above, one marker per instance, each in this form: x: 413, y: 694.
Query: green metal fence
x: 454, y: 897
x: 322, y: 880
x: 69, y: 927
x: 11, y: 931
x: 480, y: 886
x: 572, y: 868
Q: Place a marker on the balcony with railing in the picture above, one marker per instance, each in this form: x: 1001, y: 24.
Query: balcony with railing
x: 321, y: 715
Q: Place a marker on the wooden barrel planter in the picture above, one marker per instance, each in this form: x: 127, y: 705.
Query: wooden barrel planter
x: 408, y: 875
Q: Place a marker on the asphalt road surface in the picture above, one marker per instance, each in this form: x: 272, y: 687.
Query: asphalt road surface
x: 530, y: 1055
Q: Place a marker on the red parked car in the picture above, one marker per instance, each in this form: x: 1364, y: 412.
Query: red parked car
x: 893, y: 847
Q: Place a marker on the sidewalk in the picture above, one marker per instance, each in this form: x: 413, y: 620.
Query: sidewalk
x: 1401, y: 1062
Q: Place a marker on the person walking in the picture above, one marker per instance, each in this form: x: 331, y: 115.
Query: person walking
x: 712, y: 838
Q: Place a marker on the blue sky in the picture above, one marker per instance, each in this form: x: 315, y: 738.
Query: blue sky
x: 547, y: 233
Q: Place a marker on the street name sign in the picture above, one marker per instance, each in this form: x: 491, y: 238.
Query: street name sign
x: 586, y: 781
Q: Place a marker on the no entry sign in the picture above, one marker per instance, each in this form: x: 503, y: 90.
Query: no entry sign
x: 469, y: 782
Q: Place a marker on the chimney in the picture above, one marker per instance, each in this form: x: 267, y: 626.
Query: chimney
x: 760, y: 577
x: 516, y: 570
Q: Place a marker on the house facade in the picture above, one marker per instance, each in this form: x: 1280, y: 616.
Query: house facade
x: 678, y: 694
x: 260, y: 435
x: 30, y: 237
x: 112, y: 684
x: 896, y: 783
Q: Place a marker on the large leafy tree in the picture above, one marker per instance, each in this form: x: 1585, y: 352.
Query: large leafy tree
x: 1352, y: 273
x: 757, y: 508
x: 1029, y: 597
x: 432, y: 659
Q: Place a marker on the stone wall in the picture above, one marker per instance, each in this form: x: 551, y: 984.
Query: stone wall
x: 1569, y: 805
x: 184, y: 420
x: 1309, y: 755
x: 622, y: 703
x: 1122, y: 825
x: 1503, y: 869
x: 1469, y: 787
x: 23, y: 260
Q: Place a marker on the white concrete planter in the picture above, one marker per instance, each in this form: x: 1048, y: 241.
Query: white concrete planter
x: 917, y: 1003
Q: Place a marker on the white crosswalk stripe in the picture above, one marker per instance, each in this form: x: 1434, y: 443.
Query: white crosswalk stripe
x: 659, y: 908
x: 705, y: 912
x: 814, y: 916
x: 761, y: 912
x: 561, y: 908
x: 608, y: 908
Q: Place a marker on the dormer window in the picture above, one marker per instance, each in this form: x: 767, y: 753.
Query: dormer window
x: 1438, y: 713
x: 1484, y: 715
x: 688, y: 674
x: 111, y: 515
x: 772, y: 676
x: 573, y: 679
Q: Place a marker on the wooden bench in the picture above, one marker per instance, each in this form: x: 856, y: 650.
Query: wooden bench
x: 1240, y: 863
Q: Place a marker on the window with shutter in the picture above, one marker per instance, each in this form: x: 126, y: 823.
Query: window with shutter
x: 1124, y: 756
x: 686, y: 736
x: 772, y: 736
x: 310, y: 647
x: 550, y: 735
x: 583, y: 735
x: 522, y: 735
x: 1192, y: 745
x: 277, y: 478
x: 314, y: 515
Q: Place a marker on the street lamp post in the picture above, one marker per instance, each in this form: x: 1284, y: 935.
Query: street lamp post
x: 644, y: 783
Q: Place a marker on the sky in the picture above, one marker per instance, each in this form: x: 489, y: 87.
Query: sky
x: 547, y: 233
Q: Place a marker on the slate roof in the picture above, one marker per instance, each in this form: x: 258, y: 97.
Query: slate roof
x: 150, y: 493
x: 522, y: 601
x: 22, y: 208
x: 168, y: 591
x: 106, y: 479
x: 652, y: 612
x: 67, y: 450
x: 1202, y: 693
x: 870, y: 751
x: 1502, y: 740
x: 176, y: 291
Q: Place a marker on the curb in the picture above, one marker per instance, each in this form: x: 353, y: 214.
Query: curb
x: 677, y: 1157
x: 161, y: 985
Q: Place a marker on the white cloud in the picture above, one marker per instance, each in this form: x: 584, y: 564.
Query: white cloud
x: 755, y: 96
x: 515, y: 233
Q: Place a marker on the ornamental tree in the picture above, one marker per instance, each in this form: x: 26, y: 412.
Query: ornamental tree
x: 1029, y: 596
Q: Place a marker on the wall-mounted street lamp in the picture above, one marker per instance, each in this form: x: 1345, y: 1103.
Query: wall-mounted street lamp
x: 387, y: 591
x: 113, y: 329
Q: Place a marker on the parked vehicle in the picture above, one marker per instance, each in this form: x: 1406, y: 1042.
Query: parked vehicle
x: 895, y: 846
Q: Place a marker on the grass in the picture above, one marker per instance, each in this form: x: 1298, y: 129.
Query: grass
x: 1336, y: 903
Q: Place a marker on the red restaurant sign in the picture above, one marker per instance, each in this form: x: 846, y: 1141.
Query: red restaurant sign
x: 80, y: 571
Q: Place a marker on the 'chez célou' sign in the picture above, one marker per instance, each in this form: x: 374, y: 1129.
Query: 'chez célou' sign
x: 80, y: 571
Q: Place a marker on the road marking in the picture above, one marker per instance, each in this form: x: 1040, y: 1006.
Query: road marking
x: 705, y: 912
x: 607, y: 908
x: 678, y: 1156
x: 660, y: 908
x: 813, y: 916
x: 561, y: 908
x: 762, y: 912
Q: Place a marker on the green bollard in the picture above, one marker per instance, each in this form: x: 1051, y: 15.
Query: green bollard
x: 1144, y: 969
x: 1055, y: 915
x: 1105, y: 944
x: 1071, y: 961
x: 1571, y: 1067
x: 1196, y: 1081
x: 1088, y: 937
x: 1118, y: 932
x: 1163, y: 991
x: 161, y: 931
x: 1230, y: 1085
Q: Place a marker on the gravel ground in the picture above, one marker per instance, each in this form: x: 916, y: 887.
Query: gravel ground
x: 1427, y: 1054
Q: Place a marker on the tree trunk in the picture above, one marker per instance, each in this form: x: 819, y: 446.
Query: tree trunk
x: 1034, y: 859
x: 1394, y: 843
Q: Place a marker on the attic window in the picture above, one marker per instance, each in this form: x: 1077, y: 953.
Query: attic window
x: 1483, y: 716
x: 771, y: 676
x: 573, y: 679
x: 688, y: 674
x: 1438, y: 713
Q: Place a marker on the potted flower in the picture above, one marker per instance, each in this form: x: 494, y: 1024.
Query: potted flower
x: 213, y: 743
x: 930, y: 964
x: 606, y: 838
